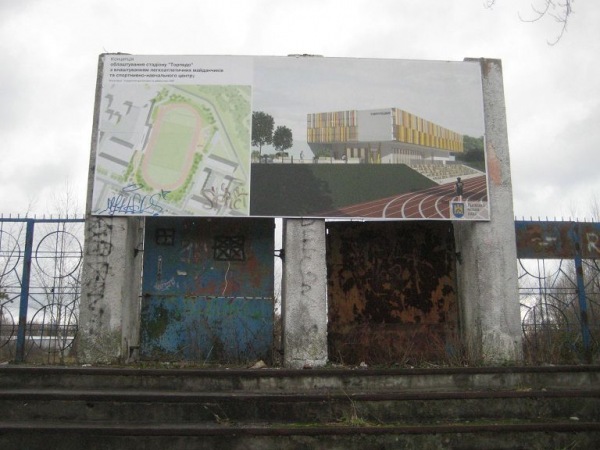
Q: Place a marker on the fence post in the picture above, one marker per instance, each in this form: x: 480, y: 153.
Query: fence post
x: 24, y: 303
x: 585, y: 328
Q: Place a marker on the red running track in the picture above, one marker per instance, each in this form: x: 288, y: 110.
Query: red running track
x: 432, y: 203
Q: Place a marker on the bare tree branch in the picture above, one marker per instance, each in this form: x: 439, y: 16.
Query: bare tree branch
x: 559, y: 10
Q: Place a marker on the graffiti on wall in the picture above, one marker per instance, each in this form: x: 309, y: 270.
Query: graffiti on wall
x: 98, y: 250
x: 306, y: 262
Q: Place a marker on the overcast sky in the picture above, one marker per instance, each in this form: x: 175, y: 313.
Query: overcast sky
x: 49, y: 54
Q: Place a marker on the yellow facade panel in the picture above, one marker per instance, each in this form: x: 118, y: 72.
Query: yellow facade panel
x: 342, y: 126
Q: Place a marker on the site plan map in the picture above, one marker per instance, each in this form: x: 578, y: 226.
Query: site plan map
x: 172, y: 149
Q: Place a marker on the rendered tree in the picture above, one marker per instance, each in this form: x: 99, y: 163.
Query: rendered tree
x: 282, y: 138
x: 262, y: 129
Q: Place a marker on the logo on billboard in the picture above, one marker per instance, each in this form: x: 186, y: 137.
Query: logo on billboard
x: 458, y: 210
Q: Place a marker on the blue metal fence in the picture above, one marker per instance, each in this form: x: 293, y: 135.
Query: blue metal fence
x: 559, y: 282
x: 40, y: 268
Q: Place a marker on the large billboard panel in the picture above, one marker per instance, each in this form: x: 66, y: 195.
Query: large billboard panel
x: 296, y: 136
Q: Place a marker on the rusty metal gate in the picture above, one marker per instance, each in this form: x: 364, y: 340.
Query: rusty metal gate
x: 207, y: 290
x: 392, y: 292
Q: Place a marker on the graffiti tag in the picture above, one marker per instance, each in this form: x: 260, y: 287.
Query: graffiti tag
x: 223, y: 198
x: 130, y: 201
x: 165, y: 285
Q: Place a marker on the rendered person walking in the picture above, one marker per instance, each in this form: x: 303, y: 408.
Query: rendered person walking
x: 459, y: 188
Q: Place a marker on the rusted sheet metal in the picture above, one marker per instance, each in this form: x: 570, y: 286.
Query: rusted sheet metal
x: 207, y: 289
x: 557, y: 240
x: 392, y: 294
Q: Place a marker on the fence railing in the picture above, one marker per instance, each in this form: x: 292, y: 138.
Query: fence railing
x: 554, y: 328
x: 40, y: 282
x: 559, y: 283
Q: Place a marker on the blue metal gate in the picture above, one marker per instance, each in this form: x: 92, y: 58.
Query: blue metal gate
x: 207, y: 290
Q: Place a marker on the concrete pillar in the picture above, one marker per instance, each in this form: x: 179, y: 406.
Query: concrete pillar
x: 487, y: 256
x: 109, y: 311
x: 304, y: 294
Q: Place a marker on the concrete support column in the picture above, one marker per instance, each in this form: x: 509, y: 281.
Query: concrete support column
x: 487, y: 256
x: 109, y: 307
x: 304, y: 293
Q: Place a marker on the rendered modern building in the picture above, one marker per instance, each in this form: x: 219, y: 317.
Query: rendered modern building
x: 389, y: 135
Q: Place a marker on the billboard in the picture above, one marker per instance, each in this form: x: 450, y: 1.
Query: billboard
x: 296, y: 136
